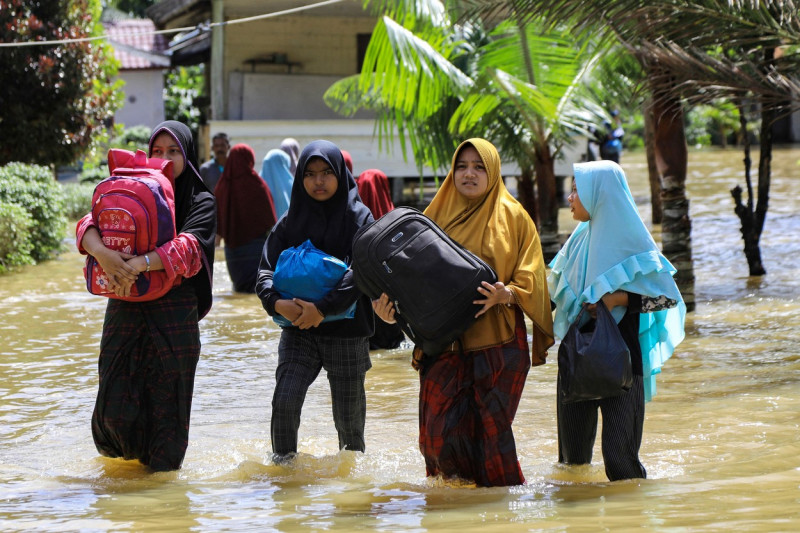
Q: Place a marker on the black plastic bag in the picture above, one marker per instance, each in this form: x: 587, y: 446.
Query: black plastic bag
x: 593, y: 361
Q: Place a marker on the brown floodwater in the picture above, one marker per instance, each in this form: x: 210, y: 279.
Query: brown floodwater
x: 721, y: 442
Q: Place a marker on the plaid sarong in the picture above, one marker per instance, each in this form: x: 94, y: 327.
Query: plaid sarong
x: 148, y: 356
x: 466, y: 406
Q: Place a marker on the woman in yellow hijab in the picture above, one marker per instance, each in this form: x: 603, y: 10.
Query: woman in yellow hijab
x: 469, y: 394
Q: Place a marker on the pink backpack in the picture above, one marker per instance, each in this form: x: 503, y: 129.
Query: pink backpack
x: 134, y: 211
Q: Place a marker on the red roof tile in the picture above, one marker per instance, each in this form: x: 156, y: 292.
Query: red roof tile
x: 136, y: 34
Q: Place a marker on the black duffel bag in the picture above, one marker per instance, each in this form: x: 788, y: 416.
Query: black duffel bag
x: 431, y: 279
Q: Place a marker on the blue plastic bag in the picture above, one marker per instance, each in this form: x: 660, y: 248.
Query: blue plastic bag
x: 308, y: 273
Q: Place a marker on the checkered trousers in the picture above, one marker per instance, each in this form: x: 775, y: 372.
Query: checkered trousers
x: 301, y: 356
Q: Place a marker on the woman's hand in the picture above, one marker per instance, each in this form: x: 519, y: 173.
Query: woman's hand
x: 122, y: 287
x: 495, y: 294
x: 417, y: 355
x: 121, y: 274
x: 384, y: 308
x: 288, y: 309
x: 310, y: 317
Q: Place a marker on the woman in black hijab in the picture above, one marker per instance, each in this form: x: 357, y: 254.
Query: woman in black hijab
x: 149, y: 350
x: 326, y: 209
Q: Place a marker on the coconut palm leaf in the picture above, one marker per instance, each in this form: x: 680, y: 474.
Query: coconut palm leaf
x: 534, y: 77
x: 731, y: 21
x: 415, y: 14
x: 704, y: 76
x: 413, y: 85
x: 409, y: 72
x: 706, y: 49
x: 548, y: 60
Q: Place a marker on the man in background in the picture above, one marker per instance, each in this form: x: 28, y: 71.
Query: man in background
x: 212, y: 169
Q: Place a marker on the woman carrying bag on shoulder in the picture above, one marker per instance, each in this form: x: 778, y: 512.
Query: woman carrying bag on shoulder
x: 612, y: 257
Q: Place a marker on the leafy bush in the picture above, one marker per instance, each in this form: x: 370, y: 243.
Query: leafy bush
x: 53, y: 98
x: 95, y: 165
x: 93, y: 175
x: 15, y: 244
x: 77, y: 199
x: 134, y: 138
x: 183, y: 96
x: 33, y: 188
x: 716, y: 124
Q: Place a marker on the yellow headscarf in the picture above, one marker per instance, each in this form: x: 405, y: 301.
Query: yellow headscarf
x: 496, y: 228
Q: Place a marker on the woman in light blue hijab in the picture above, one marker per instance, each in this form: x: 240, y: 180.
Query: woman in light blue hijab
x: 612, y: 256
x: 275, y: 171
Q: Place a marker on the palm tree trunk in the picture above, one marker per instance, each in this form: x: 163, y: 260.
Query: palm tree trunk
x: 652, y: 168
x: 671, y: 160
x: 544, y: 166
x: 526, y: 193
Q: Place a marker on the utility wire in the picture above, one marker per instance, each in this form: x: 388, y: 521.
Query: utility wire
x: 201, y: 27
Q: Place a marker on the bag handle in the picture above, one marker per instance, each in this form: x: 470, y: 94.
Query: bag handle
x: 600, y: 303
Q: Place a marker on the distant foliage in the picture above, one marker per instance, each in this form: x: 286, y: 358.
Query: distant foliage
x: 95, y: 165
x: 716, y: 124
x: 135, y: 8
x: 77, y: 199
x: 33, y: 188
x: 53, y: 97
x: 15, y: 244
x: 183, y: 102
x: 93, y: 175
x: 133, y: 138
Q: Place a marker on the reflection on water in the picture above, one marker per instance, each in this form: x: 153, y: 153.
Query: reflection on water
x: 721, y: 444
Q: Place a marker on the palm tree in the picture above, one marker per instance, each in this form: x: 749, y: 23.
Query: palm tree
x: 436, y: 82
x: 678, y: 43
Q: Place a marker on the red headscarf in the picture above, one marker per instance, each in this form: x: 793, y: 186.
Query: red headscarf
x: 348, y: 160
x: 375, y: 192
x: 244, y: 204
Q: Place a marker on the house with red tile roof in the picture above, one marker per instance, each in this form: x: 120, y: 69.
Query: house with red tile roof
x: 266, y: 78
x: 143, y: 60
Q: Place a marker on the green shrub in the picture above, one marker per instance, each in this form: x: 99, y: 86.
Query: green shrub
x: 34, y: 188
x: 93, y: 175
x: 134, y: 138
x: 716, y: 124
x: 77, y: 199
x: 15, y: 236
x: 95, y: 166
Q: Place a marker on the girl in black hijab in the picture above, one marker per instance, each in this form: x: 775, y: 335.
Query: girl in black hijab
x: 149, y: 350
x: 326, y: 209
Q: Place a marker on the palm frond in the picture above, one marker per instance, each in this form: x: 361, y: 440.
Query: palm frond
x: 345, y: 98
x: 408, y: 72
x: 411, y: 13
x: 702, y: 77
x: 730, y: 21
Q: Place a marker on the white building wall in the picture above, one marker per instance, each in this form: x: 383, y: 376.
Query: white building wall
x: 318, y: 51
x: 281, y: 97
x: 144, y: 98
x: 266, y: 103
x: 322, y: 45
x: 355, y: 136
